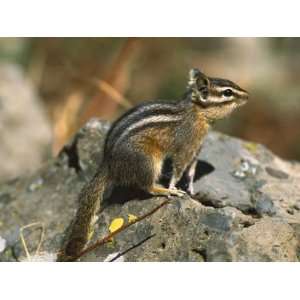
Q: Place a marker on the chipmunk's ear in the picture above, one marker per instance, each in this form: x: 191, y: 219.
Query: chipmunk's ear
x: 197, y: 79
x: 199, y: 86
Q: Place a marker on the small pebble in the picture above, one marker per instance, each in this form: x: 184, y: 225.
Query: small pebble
x: 265, y: 205
x: 114, y: 257
x: 290, y: 211
x: 245, y: 168
x: 239, y: 174
x: 297, y: 206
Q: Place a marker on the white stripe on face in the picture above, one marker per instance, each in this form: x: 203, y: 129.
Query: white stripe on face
x: 222, y: 98
x: 216, y: 99
x: 224, y: 88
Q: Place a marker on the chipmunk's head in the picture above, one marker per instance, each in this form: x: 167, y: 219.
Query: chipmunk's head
x: 218, y: 96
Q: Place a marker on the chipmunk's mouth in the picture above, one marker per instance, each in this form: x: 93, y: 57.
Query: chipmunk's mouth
x: 242, y: 101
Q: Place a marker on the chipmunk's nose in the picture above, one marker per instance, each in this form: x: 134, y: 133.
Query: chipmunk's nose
x: 246, y: 95
x: 245, y: 98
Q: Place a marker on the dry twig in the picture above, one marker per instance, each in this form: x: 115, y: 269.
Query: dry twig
x: 40, y: 225
x: 111, y: 235
x: 78, y: 108
x: 113, y: 93
x: 118, y: 79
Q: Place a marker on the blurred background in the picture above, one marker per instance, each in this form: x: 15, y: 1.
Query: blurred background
x: 49, y: 87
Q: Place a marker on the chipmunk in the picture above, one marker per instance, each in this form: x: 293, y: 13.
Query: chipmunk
x: 138, y: 143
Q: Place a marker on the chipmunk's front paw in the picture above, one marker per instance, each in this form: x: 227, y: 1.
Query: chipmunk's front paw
x: 161, y: 191
x: 177, y: 192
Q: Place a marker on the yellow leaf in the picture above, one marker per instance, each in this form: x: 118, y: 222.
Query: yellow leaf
x: 116, y: 224
x: 131, y: 218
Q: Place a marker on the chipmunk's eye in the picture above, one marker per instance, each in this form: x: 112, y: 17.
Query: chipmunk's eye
x: 228, y: 93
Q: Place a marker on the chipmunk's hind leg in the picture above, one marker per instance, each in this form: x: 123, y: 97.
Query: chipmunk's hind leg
x: 136, y: 166
x: 131, y: 167
x: 156, y: 189
x: 151, y: 167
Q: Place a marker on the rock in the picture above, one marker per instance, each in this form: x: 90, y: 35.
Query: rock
x: 239, y: 212
x: 266, y: 240
x: 24, y: 128
x: 297, y: 205
x: 264, y: 204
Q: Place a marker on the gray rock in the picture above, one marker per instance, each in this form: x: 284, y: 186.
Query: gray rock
x: 239, y: 212
x: 264, y: 204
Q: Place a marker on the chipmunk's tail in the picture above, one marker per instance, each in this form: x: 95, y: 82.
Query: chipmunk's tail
x: 90, y: 199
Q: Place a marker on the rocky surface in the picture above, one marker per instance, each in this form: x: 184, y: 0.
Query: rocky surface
x: 246, y: 207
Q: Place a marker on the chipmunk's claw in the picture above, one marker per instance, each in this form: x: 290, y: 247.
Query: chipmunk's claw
x: 177, y: 192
